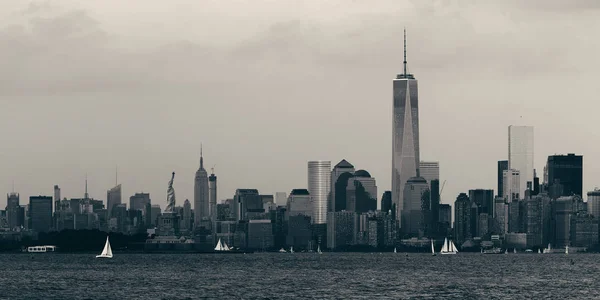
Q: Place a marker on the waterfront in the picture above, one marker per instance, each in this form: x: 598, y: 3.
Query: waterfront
x: 306, y: 275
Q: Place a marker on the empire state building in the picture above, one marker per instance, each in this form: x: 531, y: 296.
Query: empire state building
x: 405, y: 134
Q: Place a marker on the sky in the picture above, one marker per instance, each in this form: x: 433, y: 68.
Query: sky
x: 265, y: 86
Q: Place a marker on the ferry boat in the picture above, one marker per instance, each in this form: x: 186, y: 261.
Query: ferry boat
x: 41, y: 249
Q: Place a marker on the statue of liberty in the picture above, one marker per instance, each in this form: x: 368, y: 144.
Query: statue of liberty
x: 170, y: 195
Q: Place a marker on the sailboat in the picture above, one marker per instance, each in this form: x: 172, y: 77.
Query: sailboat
x: 539, y: 251
x: 319, y: 249
x: 549, y: 249
x: 107, y: 251
x: 291, y: 249
x: 432, y: 249
x: 282, y: 250
x: 395, y: 250
x: 515, y: 250
x: 448, y: 247
x: 567, y: 250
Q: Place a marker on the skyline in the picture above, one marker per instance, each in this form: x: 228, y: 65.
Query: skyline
x: 99, y: 124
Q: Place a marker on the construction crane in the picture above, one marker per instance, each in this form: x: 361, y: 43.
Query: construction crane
x: 442, y: 189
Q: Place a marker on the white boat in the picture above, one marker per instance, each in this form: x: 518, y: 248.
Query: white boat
x: 432, y: 249
x: 319, y: 249
x: 41, y: 249
x: 549, y: 249
x: 395, y: 250
x: 539, y: 251
x: 505, y: 251
x: 107, y: 251
x: 291, y: 249
x: 567, y: 250
x: 282, y: 250
x: 448, y: 247
x: 515, y: 250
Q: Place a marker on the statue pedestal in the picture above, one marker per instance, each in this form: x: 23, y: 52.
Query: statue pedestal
x: 168, y: 224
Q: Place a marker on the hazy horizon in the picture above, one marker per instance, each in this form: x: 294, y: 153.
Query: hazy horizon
x: 267, y: 86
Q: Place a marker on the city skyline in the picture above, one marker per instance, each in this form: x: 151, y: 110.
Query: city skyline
x: 115, y: 121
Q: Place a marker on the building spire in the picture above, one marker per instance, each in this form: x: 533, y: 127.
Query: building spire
x: 201, y: 158
x: 116, y: 175
x: 405, y: 73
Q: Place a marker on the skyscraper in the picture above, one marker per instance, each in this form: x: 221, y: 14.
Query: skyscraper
x: 593, y: 203
x: 319, y: 186
x: 14, y: 212
x: 201, y: 206
x: 40, y: 213
x: 187, y: 215
x: 416, y: 208
x: 405, y: 134
x: 56, y: 198
x: 113, y: 198
x: 502, y: 166
x: 339, y: 180
x: 139, y: 201
x: 568, y: 170
x: 462, y: 219
x: 361, y: 193
x: 212, y: 195
x: 520, y: 154
x: 512, y: 185
x: 430, y: 170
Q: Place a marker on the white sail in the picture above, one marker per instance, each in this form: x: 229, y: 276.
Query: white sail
x: 319, y: 249
x: 432, y: 248
x: 453, y: 247
x: 567, y: 250
x: 395, y: 250
x: 219, y: 246
x: 445, y: 246
x: 225, y: 247
x: 107, y: 251
x: 291, y: 249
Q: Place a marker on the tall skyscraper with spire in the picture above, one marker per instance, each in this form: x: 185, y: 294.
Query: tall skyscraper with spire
x: 405, y: 134
x: 201, y: 208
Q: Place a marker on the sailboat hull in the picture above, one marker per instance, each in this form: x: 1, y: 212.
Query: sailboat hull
x: 103, y: 256
x: 446, y: 253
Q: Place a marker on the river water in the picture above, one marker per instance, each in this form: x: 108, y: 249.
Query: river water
x: 299, y: 275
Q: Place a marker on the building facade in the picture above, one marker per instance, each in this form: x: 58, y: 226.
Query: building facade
x: 520, y: 155
x: 40, y: 213
x: 512, y: 185
x: 113, y: 198
x: 502, y: 166
x: 568, y: 171
x: 415, y: 207
x: 337, y: 198
x: 319, y: 187
x: 201, y: 206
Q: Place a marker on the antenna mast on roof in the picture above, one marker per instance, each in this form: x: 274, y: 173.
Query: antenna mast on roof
x: 405, y: 52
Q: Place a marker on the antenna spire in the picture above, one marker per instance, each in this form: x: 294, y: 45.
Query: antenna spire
x: 117, y: 175
x: 201, y: 158
x: 405, y: 52
x: 13, y: 186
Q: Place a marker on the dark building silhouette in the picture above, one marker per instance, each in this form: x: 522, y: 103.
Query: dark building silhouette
x: 484, y: 200
x: 434, y: 205
x: 247, y: 204
x: 139, y: 201
x: 502, y: 166
x: 40, y: 213
x: 337, y: 197
x: 361, y: 193
x: 15, y: 213
x: 462, y: 219
x: 568, y: 169
x: 386, y: 201
x: 444, y: 219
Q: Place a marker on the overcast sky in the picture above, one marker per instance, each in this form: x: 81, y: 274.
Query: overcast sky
x: 86, y: 86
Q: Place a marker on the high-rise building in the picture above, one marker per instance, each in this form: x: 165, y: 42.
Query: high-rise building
x: 300, y: 202
x: 484, y: 200
x: 568, y: 170
x: 56, y: 198
x: 40, y: 213
x: 445, y: 218
x: 593, y: 203
x: 14, y: 212
x: 405, y: 134
x: 512, y: 185
x: 361, y: 193
x: 386, y: 201
x: 280, y: 198
x: 430, y: 170
x: 533, y: 222
x: 462, y: 219
x: 563, y: 212
x: 113, y: 198
x: 247, y: 204
x: 502, y: 166
x: 201, y: 206
x: 500, y: 216
x: 520, y: 155
x: 339, y: 181
x: 416, y: 207
x: 342, y: 227
x: 319, y: 187
x: 187, y: 215
x: 139, y: 201
x: 212, y: 195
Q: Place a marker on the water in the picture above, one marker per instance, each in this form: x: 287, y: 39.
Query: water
x: 299, y: 275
